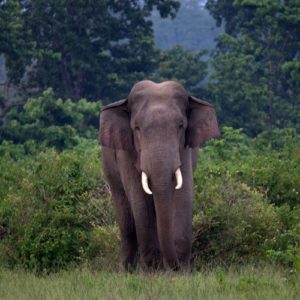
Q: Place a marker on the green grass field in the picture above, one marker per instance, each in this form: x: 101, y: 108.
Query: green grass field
x: 246, y: 283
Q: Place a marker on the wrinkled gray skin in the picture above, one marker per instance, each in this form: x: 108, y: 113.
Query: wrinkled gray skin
x: 157, y: 129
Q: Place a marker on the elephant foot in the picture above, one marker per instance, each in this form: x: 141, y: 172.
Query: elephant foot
x: 128, y: 267
x: 151, y: 260
x: 183, y: 251
x: 171, y: 265
x: 129, y: 258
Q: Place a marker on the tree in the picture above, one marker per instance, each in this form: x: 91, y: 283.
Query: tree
x: 90, y: 48
x: 51, y: 122
x: 256, y: 62
x: 16, y: 47
x: 183, y: 65
x: 15, y: 41
x: 193, y: 28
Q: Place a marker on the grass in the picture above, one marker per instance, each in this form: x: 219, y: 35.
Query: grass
x: 246, y: 283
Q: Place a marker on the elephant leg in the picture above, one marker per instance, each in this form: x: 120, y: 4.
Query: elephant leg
x: 145, y: 226
x: 182, y: 214
x: 147, y: 235
x: 127, y: 230
x: 183, y: 233
x: 122, y: 207
x: 143, y: 211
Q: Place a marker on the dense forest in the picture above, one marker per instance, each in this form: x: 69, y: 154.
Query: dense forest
x: 61, y: 61
x: 193, y: 28
x: 250, y: 72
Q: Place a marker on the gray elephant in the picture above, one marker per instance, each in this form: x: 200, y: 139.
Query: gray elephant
x: 150, y: 144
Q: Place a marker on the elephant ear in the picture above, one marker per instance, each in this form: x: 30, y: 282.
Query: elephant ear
x: 115, y: 131
x: 202, y: 122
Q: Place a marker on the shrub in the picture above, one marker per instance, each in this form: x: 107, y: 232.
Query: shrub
x: 51, y: 122
x: 104, y: 248
x: 265, y: 171
x: 270, y: 163
x: 276, y: 175
x: 47, y: 219
x: 278, y: 140
x: 284, y: 246
x: 230, y: 221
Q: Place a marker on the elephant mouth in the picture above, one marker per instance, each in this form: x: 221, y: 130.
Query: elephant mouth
x: 145, y: 181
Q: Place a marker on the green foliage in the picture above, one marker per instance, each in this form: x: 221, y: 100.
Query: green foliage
x: 49, y: 207
x: 276, y: 176
x: 255, y: 64
x: 193, y: 28
x: 15, y: 42
x: 80, y: 48
x: 100, y: 50
x: 52, y: 122
x: 237, y: 183
x: 270, y: 163
x: 284, y: 247
x: 284, y: 140
x: 230, y: 221
x: 104, y: 250
x: 185, y: 66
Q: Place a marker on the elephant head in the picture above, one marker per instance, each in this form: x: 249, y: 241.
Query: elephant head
x: 158, y: 122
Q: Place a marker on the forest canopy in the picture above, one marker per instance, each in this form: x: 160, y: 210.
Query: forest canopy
x: 98, y: 49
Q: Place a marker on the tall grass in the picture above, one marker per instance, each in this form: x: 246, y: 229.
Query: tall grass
x: 246, y: 283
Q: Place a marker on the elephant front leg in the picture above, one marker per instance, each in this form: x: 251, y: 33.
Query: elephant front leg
x: 182, y: 215
x: 182, y: 228
x: 146, y: 231
x: 143, y: 211
x: 127, y: 230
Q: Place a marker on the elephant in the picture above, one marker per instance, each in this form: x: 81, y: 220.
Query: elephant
x: 150, y: 143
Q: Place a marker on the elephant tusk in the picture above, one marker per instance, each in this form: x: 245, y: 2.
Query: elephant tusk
x: 145, y: 183
x: 179, y: 180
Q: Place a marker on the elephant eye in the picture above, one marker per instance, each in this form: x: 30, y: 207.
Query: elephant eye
x: 181, y: 126
x: 137, y: 128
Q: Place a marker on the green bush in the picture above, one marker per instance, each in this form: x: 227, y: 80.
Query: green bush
x: 51, y: 122
x: 284, y: 246
x: 230, y: 221
x: 270, y: 163
x: 278, y: 140
x: 104, y: 249
x: 266, y: 171
x: 48, y: 217
x: 276, y: 175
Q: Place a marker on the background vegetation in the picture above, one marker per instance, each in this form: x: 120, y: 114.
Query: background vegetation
x: 55, y: 209
x: 63, y: 57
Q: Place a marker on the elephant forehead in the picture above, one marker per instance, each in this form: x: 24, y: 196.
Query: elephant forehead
x: 158, y: 115
x: 148, y: 93
x: 150, y: 85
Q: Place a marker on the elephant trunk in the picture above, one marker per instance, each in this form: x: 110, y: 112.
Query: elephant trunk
x: 161, y: 177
